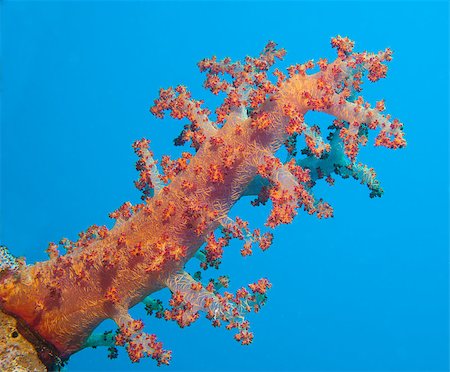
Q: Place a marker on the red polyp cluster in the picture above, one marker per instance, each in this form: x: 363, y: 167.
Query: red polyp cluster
x: 139, y: 344
x: 385, y: 139
x: 181, y: 311
x: 250, y: 85
x: 343, y: 45
x: 146, y: 166
x: 239, y: 229
x: 214, y: 250
x: 178, y: 101
x: 261, y: 286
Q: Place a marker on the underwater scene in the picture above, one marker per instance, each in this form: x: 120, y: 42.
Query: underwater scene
x: 224, y: 185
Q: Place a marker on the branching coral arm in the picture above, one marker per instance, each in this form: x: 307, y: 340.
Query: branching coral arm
x: 106, y: 272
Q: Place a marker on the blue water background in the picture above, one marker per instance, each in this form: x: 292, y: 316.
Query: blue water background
x: 366, y: 290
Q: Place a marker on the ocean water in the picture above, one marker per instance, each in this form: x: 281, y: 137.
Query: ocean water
x: 364, y: 291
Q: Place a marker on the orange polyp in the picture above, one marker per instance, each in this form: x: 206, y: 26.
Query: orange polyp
x: 111, y: 295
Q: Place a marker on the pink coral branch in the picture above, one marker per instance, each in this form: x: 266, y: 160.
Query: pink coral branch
x: 106, y: 272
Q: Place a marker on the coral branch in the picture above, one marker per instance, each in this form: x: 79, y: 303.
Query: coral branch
x: 190, y: 297
x: 105, y: 272
x: 178, y: 101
